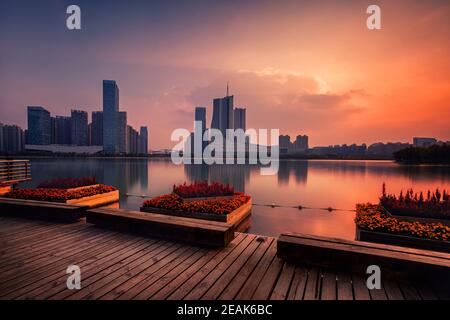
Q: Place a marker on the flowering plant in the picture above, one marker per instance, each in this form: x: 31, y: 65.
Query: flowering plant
x: 374, y: 218
x: 200, y: 189
x: 67, y: 183
x: 57, y: 195
x: 214, y: 206
x: 433, y: 205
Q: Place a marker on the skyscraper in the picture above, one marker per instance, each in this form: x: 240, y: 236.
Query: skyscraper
x: 52, y: 130
x: 97, y: 128
x: 200, y: 115
x: 110, y: 117
x: 39, y: 128
x: 11, y: 139
x: 240, y: 119
x: 223, y: 114
x: 143, y: 140
x: 122, y: 132
x: 79, y: 127
x: 63, y: 130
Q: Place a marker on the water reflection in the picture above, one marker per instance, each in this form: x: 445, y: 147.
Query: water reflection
x: 313, y: 183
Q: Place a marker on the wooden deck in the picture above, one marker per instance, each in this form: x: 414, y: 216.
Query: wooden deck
x: 35, y: 255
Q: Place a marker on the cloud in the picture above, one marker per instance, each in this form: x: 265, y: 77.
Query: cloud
x: 290, y: 101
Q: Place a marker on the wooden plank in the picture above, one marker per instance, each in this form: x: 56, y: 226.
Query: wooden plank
x: 344, y: 286
x: 393, y: 291
x: 212, y: 258
x: 235, y: 285
x: 142, y: 270
x: 52, y: 280
x: 426, y: 291
x: 378, y: 294
x: 100, y: 270
x: 44, y: 269
x: 212, y: 265
x: 360, y: 289
x: 32, y: 250
x: 90, y: 291
x: 312, y: 286
x: 145, y: 290
x: 213, y: 284
x: 28, y: 265
x: 298, y: 285
x: 112, y: 259
x: 328, y: 286
x: 254, y: 279
x: 280, y: 292
x: 154, y: 225
x: 265, y: 287
x: 409, y: 292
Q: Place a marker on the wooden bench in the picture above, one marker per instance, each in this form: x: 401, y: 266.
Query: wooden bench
x: 356, y: 256
x: 42, y: 210
x: 200, y: 232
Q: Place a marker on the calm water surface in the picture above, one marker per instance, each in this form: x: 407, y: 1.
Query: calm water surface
x: 312, y: 183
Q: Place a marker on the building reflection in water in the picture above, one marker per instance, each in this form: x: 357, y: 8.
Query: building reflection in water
x: 299, y: 169
x: 233, y: 174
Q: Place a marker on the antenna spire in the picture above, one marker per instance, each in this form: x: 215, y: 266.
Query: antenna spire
x: 228, y: 89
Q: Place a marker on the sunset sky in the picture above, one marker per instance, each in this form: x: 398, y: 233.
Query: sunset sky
x: 305, y: 67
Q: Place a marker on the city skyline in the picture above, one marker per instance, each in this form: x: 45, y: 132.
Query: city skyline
x: 338, y: 83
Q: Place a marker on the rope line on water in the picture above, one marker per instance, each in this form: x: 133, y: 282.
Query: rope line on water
x: 272, y: 205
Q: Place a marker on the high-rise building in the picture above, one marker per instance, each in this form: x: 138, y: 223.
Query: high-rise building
x: 97, y: 128
x: 1, y: 138
x: 132, y: 140
x: 110, y: 117
x: 240, y: 119
x: 79, y: 127
x: 52, y: 130
x: 63, y: 130
x: 223, y: 114
x: 11, y: 139
x: 122, y: 132
x: 39, y: 127
x: 143, y: 140
x: 200, y: 116
x: 301, y: 143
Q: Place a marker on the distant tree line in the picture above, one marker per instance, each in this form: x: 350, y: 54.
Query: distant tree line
x: 432, y: 154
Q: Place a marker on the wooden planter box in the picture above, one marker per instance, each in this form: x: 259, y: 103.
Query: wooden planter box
x: 42, y: 210
x: 98, y: 200
x: 237, y: 218
x: 4, y: 190
x: 402, y: 240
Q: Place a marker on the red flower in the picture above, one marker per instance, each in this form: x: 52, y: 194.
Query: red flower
x: 215, y: 206
x: 57, y: 195
x: 200, y: 189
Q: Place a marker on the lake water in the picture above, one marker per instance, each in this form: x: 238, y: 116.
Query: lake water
x: 311, y: 183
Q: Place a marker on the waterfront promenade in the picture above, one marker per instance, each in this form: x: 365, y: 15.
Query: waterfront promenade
x: 35, y: 255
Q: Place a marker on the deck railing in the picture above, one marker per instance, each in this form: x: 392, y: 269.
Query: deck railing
x: 14, y: 171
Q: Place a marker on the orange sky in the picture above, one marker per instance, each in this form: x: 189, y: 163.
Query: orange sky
x: 300, y: 66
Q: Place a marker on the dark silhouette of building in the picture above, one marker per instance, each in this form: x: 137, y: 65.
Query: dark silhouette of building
x: 240, y: 119
x: 143, y: 140
x: 97, y: 128
x: 79, y: 127
x: 63, y: 130
x: 110, y: 117
x: 11, y: 139
x: 39, y: 126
